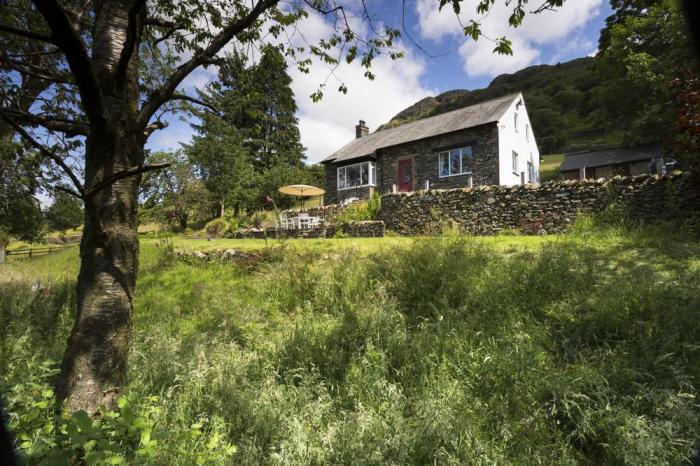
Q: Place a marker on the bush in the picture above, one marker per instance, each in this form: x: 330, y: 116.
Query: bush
x: 216, y: 228
x: 361, y: 211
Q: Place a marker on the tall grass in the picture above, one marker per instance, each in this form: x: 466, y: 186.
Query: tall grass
x: 441, y: 351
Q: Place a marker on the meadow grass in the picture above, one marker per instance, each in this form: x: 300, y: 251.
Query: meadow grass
x: 575, y: 349
x: 549, y: 168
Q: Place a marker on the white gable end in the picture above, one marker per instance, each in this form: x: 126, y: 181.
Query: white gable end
x: 518, y: 157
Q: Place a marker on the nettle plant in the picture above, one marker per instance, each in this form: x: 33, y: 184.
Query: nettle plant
x: 85, y: 83
x: 130, y: 432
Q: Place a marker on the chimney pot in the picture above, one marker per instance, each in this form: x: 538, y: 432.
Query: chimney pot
x: 361, y: 130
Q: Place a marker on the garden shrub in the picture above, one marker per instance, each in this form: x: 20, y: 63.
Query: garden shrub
x: 216, y: 228
x: 361, y: 210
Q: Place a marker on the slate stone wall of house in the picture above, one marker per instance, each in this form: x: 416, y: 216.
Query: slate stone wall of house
x: 331, y: 187
x: 484, y: 162
x: 548, y: 208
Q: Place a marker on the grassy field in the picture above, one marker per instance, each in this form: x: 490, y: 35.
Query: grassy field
x: 575, y: 349
x: 549, y: 167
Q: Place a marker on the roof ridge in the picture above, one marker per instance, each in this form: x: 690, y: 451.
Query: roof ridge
x: 614, y: 146
x: 503, y: 97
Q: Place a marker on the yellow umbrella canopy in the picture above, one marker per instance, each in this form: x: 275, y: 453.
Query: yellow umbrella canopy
x: 301, y: 190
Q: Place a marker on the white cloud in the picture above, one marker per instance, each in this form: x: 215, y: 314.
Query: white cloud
x: 549, y: 28
x: 479, y: 59
x: 327, y: 125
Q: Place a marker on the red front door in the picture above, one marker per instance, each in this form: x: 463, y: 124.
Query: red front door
x: 406, y: 175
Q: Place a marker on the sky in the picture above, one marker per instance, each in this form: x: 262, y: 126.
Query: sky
x: 438, y: 58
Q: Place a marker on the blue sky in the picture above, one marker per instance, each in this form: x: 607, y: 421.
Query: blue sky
x: 457, y: 63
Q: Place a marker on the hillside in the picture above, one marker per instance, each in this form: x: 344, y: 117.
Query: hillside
x: 560, y: 102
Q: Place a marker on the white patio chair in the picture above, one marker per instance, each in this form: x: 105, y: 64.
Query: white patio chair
x: 304, y: 220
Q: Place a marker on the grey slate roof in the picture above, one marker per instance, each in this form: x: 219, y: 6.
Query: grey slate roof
x: 610, y: 156
x: 462, y: 118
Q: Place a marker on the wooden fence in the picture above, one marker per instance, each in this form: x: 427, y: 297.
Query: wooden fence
x: 31, y: 252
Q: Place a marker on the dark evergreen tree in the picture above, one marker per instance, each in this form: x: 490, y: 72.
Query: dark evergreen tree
x: 258, y: 101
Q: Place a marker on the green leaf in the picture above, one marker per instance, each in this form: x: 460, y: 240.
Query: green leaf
x: 115, y: 459
x: 82, y: 419
x: 503, y: 46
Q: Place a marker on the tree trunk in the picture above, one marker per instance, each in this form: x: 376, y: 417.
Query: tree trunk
x: 95, y: 362
x: 182, y: 219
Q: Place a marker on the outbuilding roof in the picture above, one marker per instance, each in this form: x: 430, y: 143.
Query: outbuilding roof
x: 610, y: 156
x: 462, y: 118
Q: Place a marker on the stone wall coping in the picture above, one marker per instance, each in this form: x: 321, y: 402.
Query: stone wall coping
x: 547, y: 186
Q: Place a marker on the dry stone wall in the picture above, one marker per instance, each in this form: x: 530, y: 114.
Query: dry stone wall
x: 547, y: 208
x: 364, y: 229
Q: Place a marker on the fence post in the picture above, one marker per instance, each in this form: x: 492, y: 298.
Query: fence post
x: 30, y: 253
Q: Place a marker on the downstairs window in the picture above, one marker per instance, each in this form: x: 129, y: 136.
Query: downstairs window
x: 357, y: 175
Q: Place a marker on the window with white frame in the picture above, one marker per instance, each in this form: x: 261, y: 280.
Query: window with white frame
x: 357, y: 175
x: 515, y: 163
x: 527, y: 132
x: 454, y: 162
x: 515, y: 121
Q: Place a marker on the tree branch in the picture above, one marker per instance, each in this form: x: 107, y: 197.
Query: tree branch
x: 130, y: 41
x: 71, y: 44
x: 153, y: 127
x: 163, y: 94
x: 28, y: 34
x: 178, y: 96
x: 68, y: 191
x: 100, y: 185
x: 160, y: 23
x: 70, y: 128
x: 29, y: 69
x: 44, y: 151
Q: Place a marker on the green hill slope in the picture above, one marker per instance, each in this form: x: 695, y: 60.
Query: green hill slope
x: 560, y: 102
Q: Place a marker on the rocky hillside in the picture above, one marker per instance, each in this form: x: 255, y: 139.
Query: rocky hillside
x: 560, y: 101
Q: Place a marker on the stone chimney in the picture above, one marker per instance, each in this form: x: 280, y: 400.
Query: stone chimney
x: 361, y: 130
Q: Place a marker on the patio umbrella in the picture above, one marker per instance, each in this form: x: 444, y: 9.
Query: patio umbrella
x: 303, y: 190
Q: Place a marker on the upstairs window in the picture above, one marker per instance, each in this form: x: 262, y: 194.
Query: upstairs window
x: 515, y: 121
x: 357, y: 175
x: 515, y: 163
x: 527, y: 132
x: 454, y: 162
